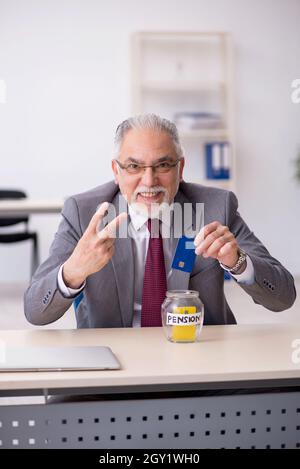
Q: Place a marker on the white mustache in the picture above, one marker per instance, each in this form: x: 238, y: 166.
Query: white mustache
x: 149, y: 190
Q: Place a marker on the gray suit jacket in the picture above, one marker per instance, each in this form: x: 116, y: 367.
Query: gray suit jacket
x: 108, y: 295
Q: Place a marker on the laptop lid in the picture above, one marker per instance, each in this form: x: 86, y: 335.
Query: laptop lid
x: 58, y: 359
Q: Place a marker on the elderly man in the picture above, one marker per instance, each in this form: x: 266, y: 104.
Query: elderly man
x: 121, y: 281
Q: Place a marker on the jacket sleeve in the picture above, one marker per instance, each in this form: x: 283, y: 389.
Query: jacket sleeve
x: 273, y: 285
x: 43, y: 301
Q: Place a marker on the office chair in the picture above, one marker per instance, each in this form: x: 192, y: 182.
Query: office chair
x: 25, y: 235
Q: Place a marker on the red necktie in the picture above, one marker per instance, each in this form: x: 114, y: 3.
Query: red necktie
x: 155, y: 283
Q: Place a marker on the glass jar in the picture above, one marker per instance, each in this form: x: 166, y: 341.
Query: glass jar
x: 182, y: 315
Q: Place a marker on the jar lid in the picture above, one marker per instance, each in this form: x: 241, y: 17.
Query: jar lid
x: 182, y: 294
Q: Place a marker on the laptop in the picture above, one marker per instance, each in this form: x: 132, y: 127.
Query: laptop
x: 58, y: 359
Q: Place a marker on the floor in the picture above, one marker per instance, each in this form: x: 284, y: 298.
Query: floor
x: 245, y: 310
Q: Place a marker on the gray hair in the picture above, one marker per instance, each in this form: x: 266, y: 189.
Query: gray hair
x: 148, y: 121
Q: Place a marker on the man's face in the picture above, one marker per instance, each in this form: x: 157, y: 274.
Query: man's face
x: 148, y: 147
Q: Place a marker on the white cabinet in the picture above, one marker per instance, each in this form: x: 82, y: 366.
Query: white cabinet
x: 187, y: 77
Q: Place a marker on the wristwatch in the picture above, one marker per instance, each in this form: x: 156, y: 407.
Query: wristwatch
x: 235, y: 269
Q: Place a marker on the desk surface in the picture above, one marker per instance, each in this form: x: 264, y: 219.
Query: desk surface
x: 12, y: 208
x: 225, y: 354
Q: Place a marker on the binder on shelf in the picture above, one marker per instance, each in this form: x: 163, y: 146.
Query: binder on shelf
x: 217, y: 157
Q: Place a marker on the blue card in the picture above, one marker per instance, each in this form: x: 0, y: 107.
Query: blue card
x: 185, y: 255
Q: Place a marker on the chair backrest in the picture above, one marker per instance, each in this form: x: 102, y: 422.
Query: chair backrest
x: 6, y: 194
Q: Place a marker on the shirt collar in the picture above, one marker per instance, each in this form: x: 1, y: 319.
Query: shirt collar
x: 137, y: 219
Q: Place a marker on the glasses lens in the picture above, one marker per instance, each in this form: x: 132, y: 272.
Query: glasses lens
x: 163, y: 168
x: 134, y: 168
x: 166, y: 166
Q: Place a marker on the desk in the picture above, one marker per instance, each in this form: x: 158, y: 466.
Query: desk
x: 228, y: 357
x: 23, y: 207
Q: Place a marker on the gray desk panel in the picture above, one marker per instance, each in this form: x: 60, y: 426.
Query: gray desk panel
x: 270, y: 420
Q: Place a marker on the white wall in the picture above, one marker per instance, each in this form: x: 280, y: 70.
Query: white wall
x: 66, y: 65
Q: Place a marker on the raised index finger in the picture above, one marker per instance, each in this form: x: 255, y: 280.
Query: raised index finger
x: 97, y: 218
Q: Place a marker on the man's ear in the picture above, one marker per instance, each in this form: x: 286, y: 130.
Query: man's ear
x: 114, y: 168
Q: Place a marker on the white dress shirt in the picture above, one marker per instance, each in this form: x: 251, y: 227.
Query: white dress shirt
x: 140, y: 235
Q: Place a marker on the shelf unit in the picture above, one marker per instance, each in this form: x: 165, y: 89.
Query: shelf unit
x: 188, y: 72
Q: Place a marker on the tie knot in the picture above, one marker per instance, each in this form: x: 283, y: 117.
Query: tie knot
x: 153, y: 227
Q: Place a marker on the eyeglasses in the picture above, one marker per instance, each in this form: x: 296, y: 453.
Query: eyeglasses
x: 160, y: 168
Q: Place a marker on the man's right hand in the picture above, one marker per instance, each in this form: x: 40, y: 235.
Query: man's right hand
x: 94, y: 249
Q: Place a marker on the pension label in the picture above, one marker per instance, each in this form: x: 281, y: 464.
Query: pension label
x: 183, y: 319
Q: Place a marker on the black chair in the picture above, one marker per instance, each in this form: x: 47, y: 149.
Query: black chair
x: 16, y: 237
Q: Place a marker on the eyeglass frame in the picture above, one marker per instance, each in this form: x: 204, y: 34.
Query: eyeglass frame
x: 173, y: 165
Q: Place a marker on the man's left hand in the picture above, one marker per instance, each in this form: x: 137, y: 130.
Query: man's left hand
x: 215, y: 240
